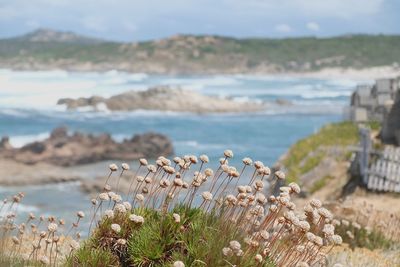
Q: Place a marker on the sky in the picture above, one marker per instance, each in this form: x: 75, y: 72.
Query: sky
x: 137, y: 20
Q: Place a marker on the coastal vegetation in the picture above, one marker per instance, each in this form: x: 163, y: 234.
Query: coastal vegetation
x: 179, y: 213
x: 333, y: 140
x: 45, y: 49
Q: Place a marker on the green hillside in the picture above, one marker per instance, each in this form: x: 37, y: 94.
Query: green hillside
x: 46, y: 49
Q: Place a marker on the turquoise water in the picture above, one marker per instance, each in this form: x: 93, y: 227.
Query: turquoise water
x: 28, y: 112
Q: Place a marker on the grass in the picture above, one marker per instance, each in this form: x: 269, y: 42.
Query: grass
x: 299, y: 158
x: 308, y: 153
x: 362, y: 237
x: 320, y: 183
x: 197, y: 239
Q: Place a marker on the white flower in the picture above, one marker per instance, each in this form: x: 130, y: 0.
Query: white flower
x: 258, y: 258
x: 227, y: 252
x: 234, y: 245
x: 74, y: 244
x: 139, y: 197
x: 136, y: 219
x: 109, y: 214
x: 143, y: 162
x: 127, y: 205
x: 80, y: 214
x: 177, y: 217
x: 52, y: 227
x: 207, y: 196
x: 121, y: 242
x: 44, y: 260
x: 204, y: 158
x: 104, y: 197
x: 115, y: 227
x: 120, y: 208
x: 179, y: 264
x: 125, y: 166
x: 228, y: 153
x: 247, y: 161
x: 113, y: 167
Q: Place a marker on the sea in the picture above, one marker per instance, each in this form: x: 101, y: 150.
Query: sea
x: 29, y: 111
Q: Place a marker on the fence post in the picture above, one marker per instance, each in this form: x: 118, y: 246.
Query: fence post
x: 365, y: 143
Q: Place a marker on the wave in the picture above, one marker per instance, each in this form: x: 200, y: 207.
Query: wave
x: 21, y: 140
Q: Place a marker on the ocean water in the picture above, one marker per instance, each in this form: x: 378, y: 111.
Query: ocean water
x: 28, y: 112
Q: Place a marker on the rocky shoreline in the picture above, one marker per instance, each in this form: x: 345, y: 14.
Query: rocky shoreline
x: 55, y: 159
x: 162, y: 98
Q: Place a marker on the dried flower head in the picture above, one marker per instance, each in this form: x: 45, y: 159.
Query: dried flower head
x: 178, y: 264
x: 116, y: 228
x: 125, y: 166
x: 227, y: 252
x: 228, y: 153
x: 136, y: 219
x: 207, y: 196
x: 74, y: 245
x: 113, y: 167
x: 109, y: 214
x: 234, y: 245
x: 52, y: 227
x: 44, y: 260
x: 177, y: 217
x: 280, y: 175
x: 247, y: 161
x: 143, y: 162
x: 80, y: 214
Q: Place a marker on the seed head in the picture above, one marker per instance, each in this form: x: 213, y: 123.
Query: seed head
x: 247, y: 161
x: 116, y: 228
x: 80, y: 214
x: 207, y: 196
x: 74, y: 245
x: 177, y: 217
x: 120, y: 208
x: 179, y: 264
x: 104, y: 196
x: 204, y: 158
x: 294, y: 188
x: 136, y: 219
x: 315, y: 203
x: 121, y: 242
x: 325, y: 213
x: 52, y: 227
x: 125, y: 166
x: 151, y: 168
x: 228, y: 153
x: 258, y: 165
x: 227, y: 252
x: 234, y: 245
x: 113, y: 167
x: 280, y: 175
x: 139, y: 197
x: 44, y: 260
x: 143, y: 162
x: 127, y: 205
x: 109, y: 214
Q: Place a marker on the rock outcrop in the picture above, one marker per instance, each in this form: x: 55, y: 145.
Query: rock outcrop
x: 63, y: 149
x: 163, y: 98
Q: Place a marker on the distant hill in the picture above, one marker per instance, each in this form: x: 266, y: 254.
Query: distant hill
x: 47, y: 49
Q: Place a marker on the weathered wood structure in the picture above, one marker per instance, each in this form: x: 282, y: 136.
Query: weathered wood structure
x: 379, y: 170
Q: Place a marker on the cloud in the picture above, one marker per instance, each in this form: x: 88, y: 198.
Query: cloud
x: 312, y: 26
x: 129, y: 26
x: 93, y: 23
x: 283, y: 28
x: 33, y: 24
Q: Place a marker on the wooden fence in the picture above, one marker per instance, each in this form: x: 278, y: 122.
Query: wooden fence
x: 380, y: 170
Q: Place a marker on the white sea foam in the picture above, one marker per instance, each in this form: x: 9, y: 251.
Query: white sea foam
x: 21, y: 140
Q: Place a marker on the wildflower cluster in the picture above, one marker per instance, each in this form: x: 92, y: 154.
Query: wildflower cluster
x: 167, y: 201
x: 37, y: 240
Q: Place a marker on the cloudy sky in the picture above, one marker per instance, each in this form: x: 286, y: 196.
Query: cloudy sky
x: 133, y: 20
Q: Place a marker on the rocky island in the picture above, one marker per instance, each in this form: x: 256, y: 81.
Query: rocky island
x: 163, y: 98
x: 53, y: 159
